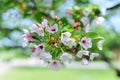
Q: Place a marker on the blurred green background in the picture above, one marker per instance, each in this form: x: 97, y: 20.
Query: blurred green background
x: 18, y: 14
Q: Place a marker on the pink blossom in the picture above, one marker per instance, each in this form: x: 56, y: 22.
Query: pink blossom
x: 34, y: 52
x: 55, y: 65
x: 40, y: 48
x: 53, y: 29
x: 86, y: 43
x: 26, y: 37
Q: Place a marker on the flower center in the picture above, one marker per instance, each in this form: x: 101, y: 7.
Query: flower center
x: 84, y: 41
x: 41, y: 47
x: 53, y: 29
x: 37, y: 25
x: 55, y: 62
x: 33, y: 49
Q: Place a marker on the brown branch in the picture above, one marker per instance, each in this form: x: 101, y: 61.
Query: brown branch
x: 114, y: 7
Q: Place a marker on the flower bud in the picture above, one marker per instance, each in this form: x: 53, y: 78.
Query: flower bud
x: 55, y: 18
x: 76, y: 24
x: 60, y: 23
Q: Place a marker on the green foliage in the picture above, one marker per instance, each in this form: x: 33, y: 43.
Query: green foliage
x: 64, y: 74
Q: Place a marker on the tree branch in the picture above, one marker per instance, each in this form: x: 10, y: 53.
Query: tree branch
x: 114, y: 7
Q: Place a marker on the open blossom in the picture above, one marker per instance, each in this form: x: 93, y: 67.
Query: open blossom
x: 86, y: 43
x: 70, y: 42
x: 93, y: 55
x: 55, y: 65
x: 67, y: 41
x: 65, y: 35
x: 53, y: 29
x: 81, y: 53
x: 37, y: 28
x: 99, y: 44
x: 65, y: 57
x: 40, y: 48
x: 46, y: 56
x: 26, y: 37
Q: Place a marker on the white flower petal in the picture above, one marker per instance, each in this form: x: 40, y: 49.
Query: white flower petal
x: 81, y: 53
x: 93, y: 55
x: 86, y: 43
x: 55, y: 65
x: 25, y: 31
x: 99, y: 20
x: 65, y: 57
x: 65, y: 35
x: 84, y: 61
x: 46, y: 56
x: 39, y: 48
x: 99, y: 44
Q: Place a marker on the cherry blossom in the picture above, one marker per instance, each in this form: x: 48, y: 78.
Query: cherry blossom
x: 65, y: 35
x: 55, y: 65
x: 53, y: 29
x: 99, y: 44
x: 70, y: 42
x: 81, y: 53
x: 86, y: 43
x: 40, y: 48
x: 37, y: 28
x: 46, y: 56
x: 34, y: 52
x: 67, y: 41
x: 65, y: 57
x: 26, y: 37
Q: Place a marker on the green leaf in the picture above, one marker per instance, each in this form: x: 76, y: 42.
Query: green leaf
x: 93, y: 35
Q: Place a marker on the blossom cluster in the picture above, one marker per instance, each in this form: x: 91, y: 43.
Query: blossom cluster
x: 56, y: 43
